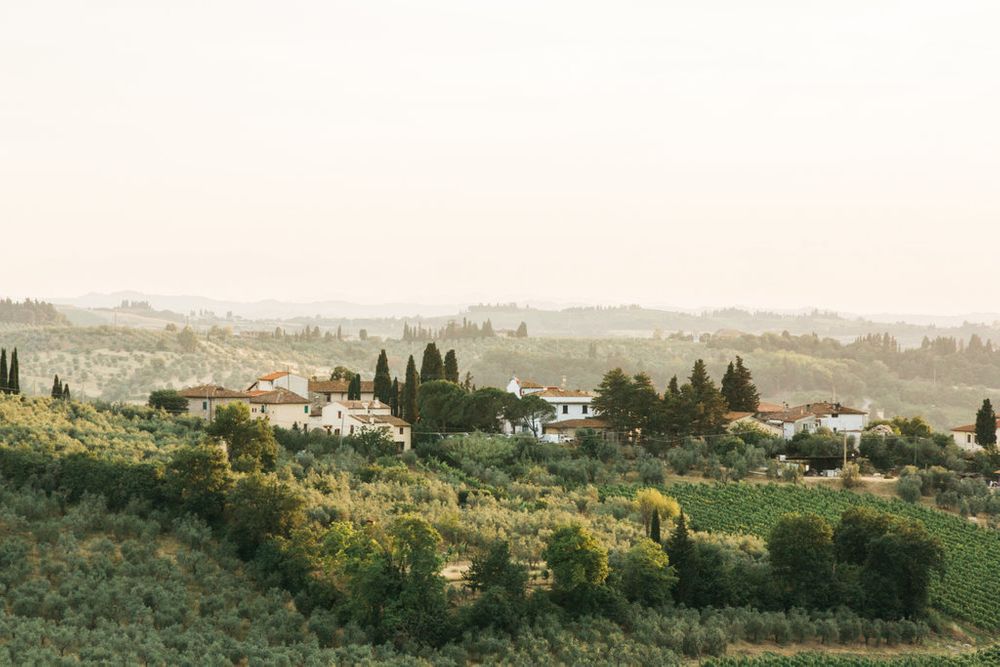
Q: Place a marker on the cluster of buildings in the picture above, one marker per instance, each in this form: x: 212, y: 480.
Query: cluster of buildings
x: 293, y: 401
x: 965, y: 437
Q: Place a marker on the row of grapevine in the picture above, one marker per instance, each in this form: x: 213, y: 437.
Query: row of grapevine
x: 985, y: 657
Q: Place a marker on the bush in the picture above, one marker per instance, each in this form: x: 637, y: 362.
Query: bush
x: 908, y: 488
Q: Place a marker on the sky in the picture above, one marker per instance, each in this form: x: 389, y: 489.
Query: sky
x: 776, y: 154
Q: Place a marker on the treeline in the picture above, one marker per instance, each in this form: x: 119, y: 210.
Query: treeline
x: 945, y: 358
x: 30, y: 312
x: 633, y: 407
x: 10, y: 376
x: 451, y: 331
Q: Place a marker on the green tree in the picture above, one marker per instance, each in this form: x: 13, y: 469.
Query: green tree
x: 451, y: 367
x: 522, y: 331
x: 531, y: 412
x: 484, y: 409
x: 57, y: 388
x: 441, y: 405
x: 14, y: 374
x: 354, y: 388
x: 576, y: 559
x: 394, y: 398
x: 614, y: 400
x: 738, y: 388
x: 249, y: 442
x: 259, y: 507
x: 700, y: 408
x: 383, y: 381
x: 501, y: 583
x: 169, y: 400
x: 432, y: 366
x: 65, y: 392
x: 3, y: 371
x: 646, y: 576
x: 802, y: 557
x: 654, y: 526
x: 198, y: 479
x: 986, y: 425
x: 187, y: 339
x: 896, y: 576
x: 411, y: 388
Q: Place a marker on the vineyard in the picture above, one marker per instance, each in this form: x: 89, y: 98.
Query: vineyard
x: 969, y: 589
x: 986, y: 657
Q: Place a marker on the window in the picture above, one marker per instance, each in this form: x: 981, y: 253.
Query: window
x: 336, y: 431
x: 401, y: 430
x: 204, y: 405
x: 340, y: 414
x: 565, y: 409
x: 305, y: 408
x: 968, y: 438
x: 352, y: 430
x: 585, y: 407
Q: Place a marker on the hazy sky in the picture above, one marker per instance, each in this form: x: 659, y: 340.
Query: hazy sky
x: 776, y: 153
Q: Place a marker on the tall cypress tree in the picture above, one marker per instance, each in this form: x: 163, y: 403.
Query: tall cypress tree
x: 3, y: 371
x: 14, y: 375
x: 383, y: 381
x: 986, y: 425
x: 703, y: 407
x: 432, y: 366
x: 57, y: 387
x: 747, y: 397
x: 354, y: 388
x: 654, y: 526
x: 728, y: 386
x: 65, y: 393
x: 682, y: 554
x: 394, y: 398
x: 409, y: 397
x: 451, y: 367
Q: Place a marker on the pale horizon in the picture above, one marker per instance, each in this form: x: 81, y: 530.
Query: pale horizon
x: 843, y: 157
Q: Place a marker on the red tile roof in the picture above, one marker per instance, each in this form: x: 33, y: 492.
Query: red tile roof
x: 279, y: 396
x: 270, y: 377
x: 555, y: 392
x: 211, y: 391
x: 971, y: 428
x: 596, y: 424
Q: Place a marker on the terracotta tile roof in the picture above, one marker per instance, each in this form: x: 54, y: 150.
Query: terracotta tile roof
x: 765, y: 408
x: 270, y: 377
x: 389, y: 419
x: 531, y: 384
x: 596, y: 424
x: 211, y: 391
x: 736, y: 416
x: 814, y: 410
x: 971, y: 428
x: 339, y: 386
x: 555, y: 392
x: 279, y: 396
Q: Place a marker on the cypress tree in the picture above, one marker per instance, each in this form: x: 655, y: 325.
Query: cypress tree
x: 354, y: 388
x: 432, y: 366
x: 14, y: 376
x: 57, y: 388
x: 673, y: 387
x: 680, y: 550
x: 487, y: 331
x: 522, y: 330
x: 383, y: 381
x: 409, y: 397
x: 3, y: 370
x: 986, y: 425
x: 654, y: 526
x: 728, y: 386
x: 65, y: 393
x: 451, y: 367
x: 394, y: 398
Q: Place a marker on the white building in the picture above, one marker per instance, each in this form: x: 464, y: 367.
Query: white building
x: 568, y: 403
x: 352, y: 417
x: 282, y: 407
x: 281, y: 380
x: 811, y: 417
x: 965, y: 437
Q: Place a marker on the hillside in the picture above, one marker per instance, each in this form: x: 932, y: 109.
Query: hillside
x: 253, y: 584
x: 123, y: 364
